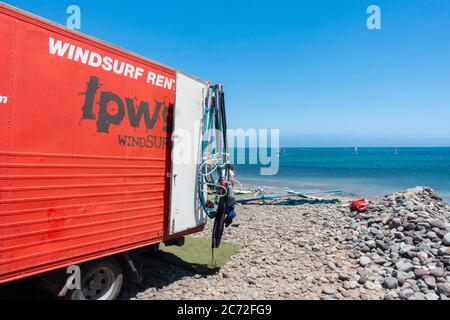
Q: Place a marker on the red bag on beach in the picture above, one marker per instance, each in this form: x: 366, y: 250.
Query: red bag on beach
x: 359, y: 206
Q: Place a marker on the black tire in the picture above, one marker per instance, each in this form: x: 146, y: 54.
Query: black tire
x: 100, y: 280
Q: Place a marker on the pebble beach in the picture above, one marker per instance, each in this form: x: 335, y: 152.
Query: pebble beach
x: 398, y: 250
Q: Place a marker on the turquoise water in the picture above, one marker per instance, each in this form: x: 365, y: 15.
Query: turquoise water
x: 367, y: 172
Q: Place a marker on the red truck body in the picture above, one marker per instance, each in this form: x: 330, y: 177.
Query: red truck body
x: 84, y: 148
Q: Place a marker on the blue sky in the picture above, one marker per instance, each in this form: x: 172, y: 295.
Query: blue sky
x: 309, y: 68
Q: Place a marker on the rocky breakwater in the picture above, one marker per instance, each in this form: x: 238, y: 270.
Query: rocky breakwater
x: 403, y: 245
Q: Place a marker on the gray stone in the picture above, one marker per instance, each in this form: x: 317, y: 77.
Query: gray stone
x: 430, y: 281
x: 446, y: 239
x: 349, y: 285
x: 422, y: 285
x: 332, y: 266
x: 444, y: 288
x: 425, y: 247
x: 404, y: 266
x: 415, y: 288
x: 390, y: 283
x: 364, y: 261
x: 329, y: 291
x: 437, y: 224
x: 431, y: 296
x: 431, y: 235
x: 372, y: 286
x: 371, y: 244
x: 343, y: 277
x: 403, y: 276
x: 437, y: 272
x: 362, y: 280
x: 365, y: 296
x: 444, y: 251
x: 389, y: 297
x: 405, y: 294
x: 417, y: 296
x: 407, y: 248
x: 382, y: 245
x: 395, y: 247
x: 396, y: 223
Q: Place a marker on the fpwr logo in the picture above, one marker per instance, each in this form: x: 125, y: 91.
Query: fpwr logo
x: 3, y: 100
x: 113, y: 109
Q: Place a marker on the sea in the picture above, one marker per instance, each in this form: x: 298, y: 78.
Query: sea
x: 369, y: 172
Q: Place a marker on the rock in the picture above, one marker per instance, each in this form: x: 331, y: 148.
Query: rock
x: 362, y: 280
x: 332, y: 266
x: 390, y: 296
x: 417, y: 296
x: 437, y: 224
x: 446, y: 239
x: 364, y: 261
x: 437, y: 272
x: 329, y: 291
x: 431, y: 296
x: 407, y: 248
x: 382, y: 245
x: 372, y: 286
x: 404, y: 266
x: 390, y: 283
x: 431, y: 235
x: 444, y: 251
x: 405, y: 294
x: 324, y: 280
x: 413, y: 191
x: 419, y: 273
x: 444, y: 289
x: 425, y: 247
x: 365, y: 296
x: 349, y: 285
x: 422, y: 257
x: 395, y: 223
x: 403, y: 276
x: 344, y: 277
x: 430, y: 281
x: 371, y: 244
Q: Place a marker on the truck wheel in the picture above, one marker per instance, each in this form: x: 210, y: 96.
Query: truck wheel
x: 100, y: 280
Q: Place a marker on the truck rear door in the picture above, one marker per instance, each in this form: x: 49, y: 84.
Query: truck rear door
x: 185, y: 211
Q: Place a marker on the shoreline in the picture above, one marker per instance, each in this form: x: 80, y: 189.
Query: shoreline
x: 318, y: 189
x: 343, y: 196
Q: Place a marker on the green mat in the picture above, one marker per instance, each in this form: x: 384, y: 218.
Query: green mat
x: 196, y: 254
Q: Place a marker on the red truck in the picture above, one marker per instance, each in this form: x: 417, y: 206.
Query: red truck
x: 85, y: 156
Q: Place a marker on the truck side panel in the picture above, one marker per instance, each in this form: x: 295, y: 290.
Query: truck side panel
x: 84, y: 151
x: 6, y: 58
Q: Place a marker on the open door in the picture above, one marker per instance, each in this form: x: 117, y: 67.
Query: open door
x: 185, y: 210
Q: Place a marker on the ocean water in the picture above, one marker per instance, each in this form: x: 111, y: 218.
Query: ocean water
x: 368, y: 172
